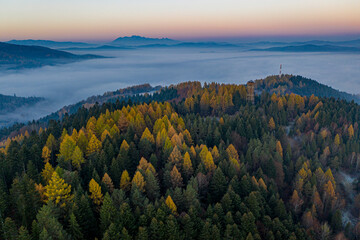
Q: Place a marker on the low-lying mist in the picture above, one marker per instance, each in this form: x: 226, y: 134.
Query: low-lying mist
x: 66, y: 84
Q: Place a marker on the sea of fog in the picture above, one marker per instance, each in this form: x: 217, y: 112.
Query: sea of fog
x: 69, y: 83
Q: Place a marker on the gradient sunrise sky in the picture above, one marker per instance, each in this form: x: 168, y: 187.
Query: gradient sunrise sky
x: 103, y: 20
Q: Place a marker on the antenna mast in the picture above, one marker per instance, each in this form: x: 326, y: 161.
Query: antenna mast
x: 280, y: 70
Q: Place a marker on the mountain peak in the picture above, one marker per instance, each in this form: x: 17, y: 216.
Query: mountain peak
x: 136, y: 40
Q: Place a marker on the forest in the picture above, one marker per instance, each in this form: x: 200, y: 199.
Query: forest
x: 190, y: 161
x: 10, y: 103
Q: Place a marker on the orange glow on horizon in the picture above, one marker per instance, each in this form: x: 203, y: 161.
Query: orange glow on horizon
x: 74, y: 21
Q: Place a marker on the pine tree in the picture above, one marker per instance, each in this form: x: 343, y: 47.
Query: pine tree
x: 95, y: 191
x: 112, y: 233
x: 218, y: 185
x: 107, y: 213
x: 74, y: 228
x: 152, y: 186
x: 58, y: 191
x: 9, y: 229
x: 23, y: 234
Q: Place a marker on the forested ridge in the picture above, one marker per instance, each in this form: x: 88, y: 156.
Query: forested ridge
x: 191, y: 161
x: 10, y: 103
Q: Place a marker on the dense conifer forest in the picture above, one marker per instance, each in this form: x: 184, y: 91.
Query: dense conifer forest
x: 190, y: 161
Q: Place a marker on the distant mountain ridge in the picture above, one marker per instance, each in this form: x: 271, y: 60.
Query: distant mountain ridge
x: 138, y: 40
x: 20, y: 56
x: 49, y: 43
x: 310, y: 48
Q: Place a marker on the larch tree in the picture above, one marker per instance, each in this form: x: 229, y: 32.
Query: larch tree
x: 94, y: 145
x: 108, y: 182
x: 209, y: 162
x: 279, y: 148
x: 67, y: 148
x: 77, y: 158
x: 272, y: 124
x: 187, y: 165
x: 351, y: 131
x: 95, y: 192
x: 125, y: 183
x: 176, y: 179
x: 47, y: 172
x: 46, y: 154
x: 58, y: 191
x: 171, y: 205
x: 139, y: 181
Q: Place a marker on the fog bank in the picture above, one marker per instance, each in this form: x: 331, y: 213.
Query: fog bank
x: 66, y: 84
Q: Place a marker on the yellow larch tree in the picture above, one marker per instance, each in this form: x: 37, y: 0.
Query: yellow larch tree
x: 272, y: 124
x: 104, y: 134
x: 77, y: 158
x: 187, y: 165
x: 58, y: 191
x: 279, y: 148
x: 47, y: 172
x: 171, y: 205
x: 108, y: 182
x: 176, y: 179
x: 209, y: 162
x: 148, y: 136
x: 262, y: 184
x: 46, y: 153
x: 94, y: 145
x: 139, y: 181
x: 125, y: 181
x: 67, y: 148
x: 231, y: 152
x: 95, y: 192
x: 351, y: 131
x: 215, y: 153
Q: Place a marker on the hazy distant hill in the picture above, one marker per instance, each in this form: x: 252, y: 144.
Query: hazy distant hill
x: 138, y: 40
x: 50, y: 44
x: 100, y: 99
x: 15, y: 56
x: 301, y: 86
x: 310, y: 48
x: 11, y: 103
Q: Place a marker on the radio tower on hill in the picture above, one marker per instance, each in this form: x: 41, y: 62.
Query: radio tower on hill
x: 280, y: 70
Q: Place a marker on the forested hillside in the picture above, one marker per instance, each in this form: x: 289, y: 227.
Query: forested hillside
x: 10, y: 103
x: 187, y: 162
x: 302, y: 86
x: 23, y: 56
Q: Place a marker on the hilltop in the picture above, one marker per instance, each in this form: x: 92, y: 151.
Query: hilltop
x: 301, y: 86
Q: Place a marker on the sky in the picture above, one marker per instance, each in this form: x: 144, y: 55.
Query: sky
x: 102, y: 20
